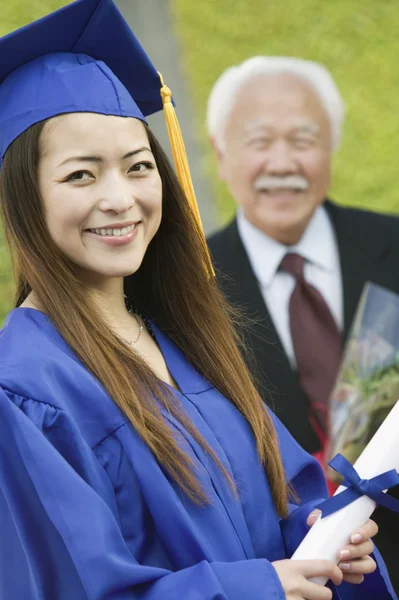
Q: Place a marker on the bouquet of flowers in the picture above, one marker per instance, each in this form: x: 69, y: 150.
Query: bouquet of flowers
x: 368, y: 382
x: 365, y: 425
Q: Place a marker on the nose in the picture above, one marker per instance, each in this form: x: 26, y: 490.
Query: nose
x: 280, y: 159
x: 117, y: 203
x: 116, y: 195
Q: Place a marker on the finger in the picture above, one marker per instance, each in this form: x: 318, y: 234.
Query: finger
x: 313, y: 591
x: 312, y: 518
x: 368, y: 530
x: 351, y: 551
x: 362, y: 566
x: 320, y: 568
x: 356, y: 579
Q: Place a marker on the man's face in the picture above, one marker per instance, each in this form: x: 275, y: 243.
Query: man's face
x: 276, y: 158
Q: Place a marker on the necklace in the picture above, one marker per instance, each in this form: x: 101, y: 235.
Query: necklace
x: 141, y: 328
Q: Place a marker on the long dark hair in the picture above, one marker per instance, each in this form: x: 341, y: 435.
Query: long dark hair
x: 172, y: 287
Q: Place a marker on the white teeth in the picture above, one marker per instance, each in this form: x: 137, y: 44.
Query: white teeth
x: 114, y: 231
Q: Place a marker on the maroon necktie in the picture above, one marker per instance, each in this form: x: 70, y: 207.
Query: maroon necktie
x: 317, y: 344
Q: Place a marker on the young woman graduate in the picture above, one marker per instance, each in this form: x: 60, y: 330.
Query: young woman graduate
x: 136, y: 457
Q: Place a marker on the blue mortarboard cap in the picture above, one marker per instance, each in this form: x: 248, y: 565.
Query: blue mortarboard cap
x: 81, y: 58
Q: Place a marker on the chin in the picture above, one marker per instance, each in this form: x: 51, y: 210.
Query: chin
x: 114, y: 271
x: 121, y: 272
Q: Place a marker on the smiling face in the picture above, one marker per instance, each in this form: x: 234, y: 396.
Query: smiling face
x: 101, y: 192
x: 276, y: 158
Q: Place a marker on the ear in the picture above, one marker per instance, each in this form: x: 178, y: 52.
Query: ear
x: 220, y: 158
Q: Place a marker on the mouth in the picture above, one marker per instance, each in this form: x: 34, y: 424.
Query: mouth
x: 119, y: 234
x: 114, y: 231
x: 280, y: 191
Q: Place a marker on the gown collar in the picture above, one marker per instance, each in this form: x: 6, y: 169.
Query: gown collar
x: 185, y: 375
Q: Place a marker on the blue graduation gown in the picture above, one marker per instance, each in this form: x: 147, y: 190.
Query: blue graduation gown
x: 88, y: 513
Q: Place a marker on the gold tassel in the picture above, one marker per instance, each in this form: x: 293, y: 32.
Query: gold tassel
x: 181, y: 163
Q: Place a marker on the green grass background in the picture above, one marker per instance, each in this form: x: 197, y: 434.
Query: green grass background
x: 356, y: 39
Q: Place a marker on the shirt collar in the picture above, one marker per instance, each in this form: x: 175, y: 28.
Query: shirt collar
x: 317, y: 245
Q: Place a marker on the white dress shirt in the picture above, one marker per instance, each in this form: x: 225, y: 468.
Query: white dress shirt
x: 322, y: 269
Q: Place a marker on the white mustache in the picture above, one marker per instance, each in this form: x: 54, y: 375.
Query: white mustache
x: 291, y: 182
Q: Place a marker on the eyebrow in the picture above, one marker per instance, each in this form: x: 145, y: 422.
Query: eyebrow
x: 310, y: 128
x: 255, y: 127
x: 266, y: 128
x: 98, y: 159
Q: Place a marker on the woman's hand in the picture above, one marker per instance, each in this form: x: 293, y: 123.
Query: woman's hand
x: 354, y: 558
x: 294, y: 575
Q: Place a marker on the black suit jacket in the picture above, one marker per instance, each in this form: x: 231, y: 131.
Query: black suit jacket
x: 369, y: 251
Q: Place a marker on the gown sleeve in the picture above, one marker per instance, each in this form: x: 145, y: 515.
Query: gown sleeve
x: 60, y: 536
x: 307, y: 478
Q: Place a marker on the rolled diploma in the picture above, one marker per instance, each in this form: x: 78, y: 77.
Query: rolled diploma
x: 329, y: 535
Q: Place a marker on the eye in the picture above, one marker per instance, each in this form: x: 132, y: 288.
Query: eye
x: 303, y: 143
x: 260, y: 142
x: 142, y: 167
x: 79, y: 176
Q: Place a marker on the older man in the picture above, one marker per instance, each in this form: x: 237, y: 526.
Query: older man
x: 296, y: 262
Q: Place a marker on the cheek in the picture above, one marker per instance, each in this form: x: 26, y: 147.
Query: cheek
x: 317, y: 168
x: 244, y: 167
x: 152, y: 200
x: 64, y: 214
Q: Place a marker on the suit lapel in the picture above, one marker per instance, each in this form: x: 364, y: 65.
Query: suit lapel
x: 362, y: 255
x: 354, y: 277
x: 276, y: 379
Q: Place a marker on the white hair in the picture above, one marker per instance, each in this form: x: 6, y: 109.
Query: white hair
x: 224, y: 91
